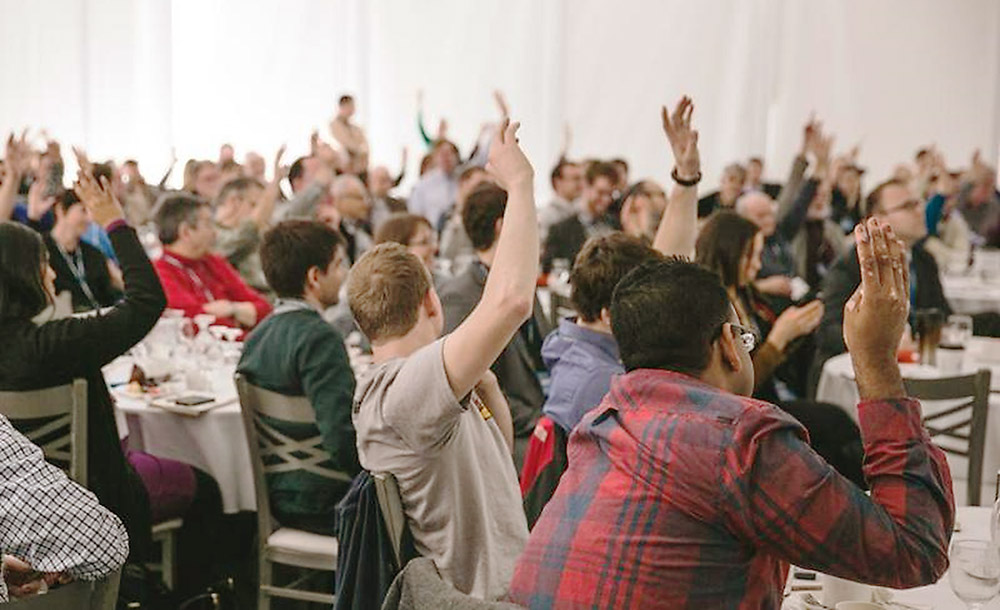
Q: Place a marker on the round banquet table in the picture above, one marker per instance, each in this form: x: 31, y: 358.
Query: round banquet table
x: 837, y: 386
x: 972, y: 523
x: 968, y: 294
x: 213, y: 441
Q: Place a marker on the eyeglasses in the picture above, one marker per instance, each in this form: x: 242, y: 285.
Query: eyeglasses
x: 749, y: 336
x: 907, y: 206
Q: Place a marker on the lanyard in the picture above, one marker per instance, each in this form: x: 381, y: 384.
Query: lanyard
x: 171, y: 260
x: 79, y: 271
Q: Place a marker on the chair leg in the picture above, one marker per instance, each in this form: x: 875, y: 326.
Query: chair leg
x: 264, y: 578
x: 168, y: 553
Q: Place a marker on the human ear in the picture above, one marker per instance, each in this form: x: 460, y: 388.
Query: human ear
x: 729, y: 348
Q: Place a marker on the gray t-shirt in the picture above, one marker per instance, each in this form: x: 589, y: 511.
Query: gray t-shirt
x: 455, y: 472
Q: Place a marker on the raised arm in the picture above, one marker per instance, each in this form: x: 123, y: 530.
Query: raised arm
x: 679, y: 226
x: 264, y: 211
x: 75, y: 345
x: 14, y: 163
x: 899, y: 536
x: 510, y: 288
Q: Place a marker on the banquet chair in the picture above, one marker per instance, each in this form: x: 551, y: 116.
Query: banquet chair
x: 78, y: 595
x: 42, y: 414
x: 54, y: 419
x: 959, y: 429
x: 272, y: 451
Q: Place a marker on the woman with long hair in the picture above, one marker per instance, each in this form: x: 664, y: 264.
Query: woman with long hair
x: 731, y: 246
x: 40, y: 352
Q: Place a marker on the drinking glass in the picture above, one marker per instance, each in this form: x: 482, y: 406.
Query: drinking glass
x: 975, y: 572
x: 957, y: 332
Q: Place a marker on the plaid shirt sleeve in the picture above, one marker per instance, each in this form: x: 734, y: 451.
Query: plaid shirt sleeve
x: 50, y: 522
x: 789, y: 501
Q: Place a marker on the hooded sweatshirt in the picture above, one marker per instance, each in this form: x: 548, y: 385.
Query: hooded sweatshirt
x: 582, y: 363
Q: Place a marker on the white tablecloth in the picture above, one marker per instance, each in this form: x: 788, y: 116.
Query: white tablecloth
x: 837, y: 386
x: 213, y: 441
x: 970, y: 294
x: 974, y: 524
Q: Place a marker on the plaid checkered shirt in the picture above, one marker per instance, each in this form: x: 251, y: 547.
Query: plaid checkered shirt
x: 679, y: 495
x: 50, y: 522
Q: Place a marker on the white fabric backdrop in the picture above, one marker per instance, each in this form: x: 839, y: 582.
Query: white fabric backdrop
x: 131, y: 78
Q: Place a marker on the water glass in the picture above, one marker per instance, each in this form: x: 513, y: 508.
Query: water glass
x: 975, y: 571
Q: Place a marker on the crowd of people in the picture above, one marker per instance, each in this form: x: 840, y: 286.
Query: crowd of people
x: 662, y: 447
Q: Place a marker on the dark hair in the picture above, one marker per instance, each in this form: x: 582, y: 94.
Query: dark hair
x: 619, y: 162
x: 484, y: 206
x: 443, y: 142
x: 400, y: 228
x: 291, y: 248
x: 557, y: 171
x: 22, y: 255
x: 873, y: 203
x: 174, y: 211
x: 665, y: 314
x: 600, y: 168
x: 921, y: 153
x: 601, y: 263
x: 345, y: 99
x: 236, y: 185
x: 66, y: 199
x: 102, y: 170
x: 297, y: 169
x: 757, y: 160
x: 722, y: 244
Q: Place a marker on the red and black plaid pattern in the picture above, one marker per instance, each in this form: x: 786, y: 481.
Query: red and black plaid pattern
x: 679, y: 495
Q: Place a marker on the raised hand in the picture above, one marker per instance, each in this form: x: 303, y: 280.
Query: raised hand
x: 103, y: 206
x: 38, y: 202
x: 507, y: 162
x: 809, y: 131
x: 683, y: 139
x: 82, y: 161
x: 280, y: 171
x: 501, y: 104
x: 875, y: 315
x: 795, y: 322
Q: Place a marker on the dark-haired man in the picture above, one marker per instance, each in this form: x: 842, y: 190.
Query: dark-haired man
x: 195, y: 279
x: 518, y: 366
x: 685, y: 492
x: 567, y: 183
x: 296, y: 353
x: 565, y: 238
x: 310, y: 179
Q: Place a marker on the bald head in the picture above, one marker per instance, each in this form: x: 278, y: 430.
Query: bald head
x: 350, y: 197
x: 379, y: 181
x: 760, y: 209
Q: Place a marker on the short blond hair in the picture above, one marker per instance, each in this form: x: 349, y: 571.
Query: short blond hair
x: 385, y: 289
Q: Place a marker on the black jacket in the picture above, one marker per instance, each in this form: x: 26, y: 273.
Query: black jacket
x: 843, y: 279
x: 54, y: 353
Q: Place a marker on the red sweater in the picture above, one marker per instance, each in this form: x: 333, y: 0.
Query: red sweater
x: 191, y: 283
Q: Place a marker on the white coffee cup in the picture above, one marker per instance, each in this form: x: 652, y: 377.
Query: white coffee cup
x: 950, y: 359
x: 836, y: 590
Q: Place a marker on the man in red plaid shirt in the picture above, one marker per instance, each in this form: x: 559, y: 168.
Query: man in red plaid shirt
x: 682, y: 492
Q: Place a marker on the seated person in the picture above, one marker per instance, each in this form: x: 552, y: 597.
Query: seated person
x: 196, y: 280
x: 456, y: 246
x: 80, y: 268
x: 243, y: 211
x: 430, y: 412
x: 566, y: 237
x: 520, y: 362
x: 414, y: 232
x: 50, y: 527
x: 581, y: 354
x: 380, y: 185
x: 295, y: 352
x: 350, y: 199
x: 892, y: 203
x: 730, y: 187
x: 685, y: 492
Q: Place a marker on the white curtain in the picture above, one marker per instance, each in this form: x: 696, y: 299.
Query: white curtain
x: 133, y: 79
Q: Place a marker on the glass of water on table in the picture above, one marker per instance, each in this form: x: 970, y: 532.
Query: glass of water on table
x: 955, y: 336
x: 974, y: 573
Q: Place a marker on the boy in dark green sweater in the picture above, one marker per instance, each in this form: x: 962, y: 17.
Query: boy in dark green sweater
x: 295, y: 352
